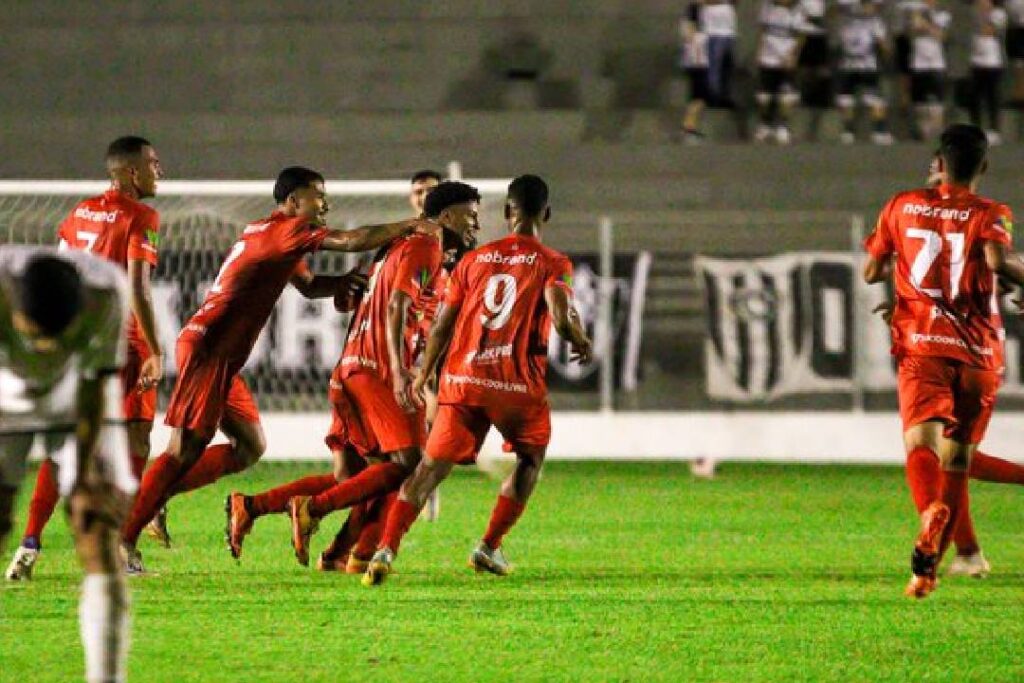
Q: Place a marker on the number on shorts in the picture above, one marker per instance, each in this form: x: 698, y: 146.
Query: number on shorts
x: 921, y: 275
x: 499, y: 298
x: 236, y: 251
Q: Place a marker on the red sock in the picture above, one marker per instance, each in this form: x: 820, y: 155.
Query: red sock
x: 988, y: 468
x: 214, y: 463
x: 375, y: 480
x: 374, y: 527
x: 963, y: 534
x: 44, y: 501
x: 138, y: 465
x: 349, y: 532
x: 401, y: 517
x: 506, y: 513
x: 924, y: 475
x: 276, y: 500
x: 953, y: 492
x: 153, y: 491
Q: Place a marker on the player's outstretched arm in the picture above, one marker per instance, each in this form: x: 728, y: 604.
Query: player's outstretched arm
x: 367, y: 237
x: 140, y: 299
x: 1004, y: 262
x: 345, y: 287
x: 397, y: 315
x: 438, y: 342
x: 567, y: 322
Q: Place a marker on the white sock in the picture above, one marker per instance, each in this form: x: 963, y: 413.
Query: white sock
x: 103, y: 622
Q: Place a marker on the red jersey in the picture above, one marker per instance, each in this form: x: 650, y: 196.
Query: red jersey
x: 499, y: 347
x: 412, y: 265
x: 250, y: 281
x: 119, y: 229
x: 425, y: 314
x: 946, y: 303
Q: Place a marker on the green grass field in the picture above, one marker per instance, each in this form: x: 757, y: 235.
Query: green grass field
x: 624, y: 572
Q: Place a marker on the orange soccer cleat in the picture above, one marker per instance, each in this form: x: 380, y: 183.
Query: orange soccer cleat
x: 304, y: 525
x: 239, y: 522
x: 925, y: 558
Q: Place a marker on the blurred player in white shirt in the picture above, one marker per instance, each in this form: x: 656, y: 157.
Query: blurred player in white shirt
x: 62, y: 346
x: 862, y: 38
x: 928, y: 67
x: 987, y: 65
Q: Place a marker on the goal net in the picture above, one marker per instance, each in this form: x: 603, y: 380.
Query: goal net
x: 200, y: 220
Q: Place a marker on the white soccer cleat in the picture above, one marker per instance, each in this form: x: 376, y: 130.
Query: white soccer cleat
x: 487, y: 559
x: 132, y: 560
x: 20, y: 568
x: 974, y: 565
x: 432, y: 509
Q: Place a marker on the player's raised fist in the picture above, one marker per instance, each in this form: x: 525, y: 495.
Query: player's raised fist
x: 581, y: 351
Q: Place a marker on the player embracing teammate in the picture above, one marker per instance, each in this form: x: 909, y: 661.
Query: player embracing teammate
x: 498, y: 309
x: 945, y: 247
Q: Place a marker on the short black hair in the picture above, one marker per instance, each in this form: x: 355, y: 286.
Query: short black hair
x: 126, y: 146
x: 529, y: 193
x: 50, y: 293
x: 425, y: 174
x: 294, y: 178
x: 964, y: 148
x: 448, y: 193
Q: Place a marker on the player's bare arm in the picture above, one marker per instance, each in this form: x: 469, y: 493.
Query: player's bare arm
x: 141, y: 301
x: 1004, y: 262
x: 367, y: 237
x: 347, y: 286
x: 567, y: 322
x: 438, y: 342
x: 877, y: 270
x: 398, y: 313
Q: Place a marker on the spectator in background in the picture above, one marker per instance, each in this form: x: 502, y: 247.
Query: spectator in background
x: 694, y: 61
x: 815, y: 76
x: 862, y: 39
x: 1015, y: 48
x: 902, y: 17
x: 718, y: 22
x: 928, y: 68
x: 779, y: 45
x: 987, y: 66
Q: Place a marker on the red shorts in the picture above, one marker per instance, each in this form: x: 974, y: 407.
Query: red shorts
x: 383, y: 420
x: 138, y: 406
x: 459, y: 430
x: 962, y: 396
x: 208, y: 389
x: 346, y: 427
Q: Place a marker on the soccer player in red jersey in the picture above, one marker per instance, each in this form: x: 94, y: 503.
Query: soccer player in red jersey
x: 346, y: 439
x: 375, y: 370
x: 213, y: 347
x: 118, y: 227
x: 945, y: 246
x: 499, y: 307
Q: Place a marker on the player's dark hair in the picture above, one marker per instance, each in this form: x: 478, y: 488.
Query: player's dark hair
x: 294, y: 178
x: 529, y: 193
x: 50, y: 293
x: 964, y: 148
x: 126, y: 146
x: 425, y: 174
x: 447, y: 194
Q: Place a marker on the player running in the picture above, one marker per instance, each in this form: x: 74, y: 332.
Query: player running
x: 946, y: 246
x: 499, y: 306
x: 213, y: 347
x: 348, y: 445
x: 116, y: 226
x: 375, y: 370
x: 62, y: 352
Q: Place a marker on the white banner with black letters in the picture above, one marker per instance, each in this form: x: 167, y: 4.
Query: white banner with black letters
x: 802, y: 323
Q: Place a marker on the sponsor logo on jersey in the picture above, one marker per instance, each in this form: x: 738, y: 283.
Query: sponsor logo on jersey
x: 928, y: 211
x: 87, y: 214
x: 490, y: 354
x: 498, y: 258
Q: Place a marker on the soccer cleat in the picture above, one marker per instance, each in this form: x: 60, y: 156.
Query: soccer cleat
x: 379, y: 567
x: 487, y: 559
x: 304, y: 525
x: 239, y: 522
x: 132, y: 560
x: 969, y: 565
x: 21, y: 565
x: 157, y: 528
x: 432, y: 509
x: 925, y: 558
